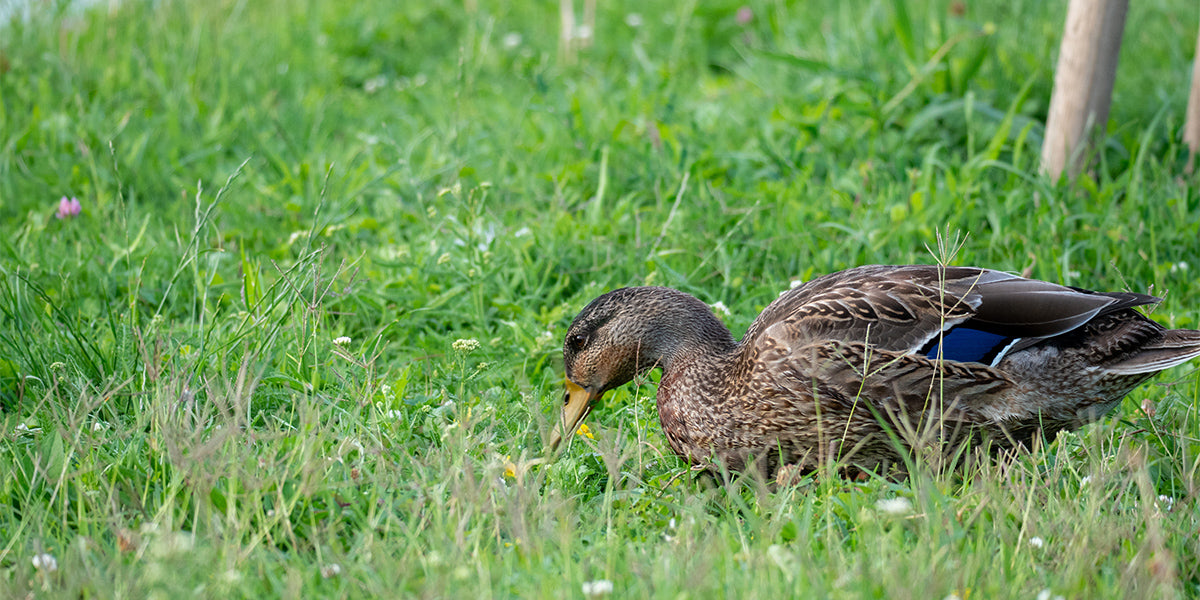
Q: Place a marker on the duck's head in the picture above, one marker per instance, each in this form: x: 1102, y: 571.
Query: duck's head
x: 623, y: 333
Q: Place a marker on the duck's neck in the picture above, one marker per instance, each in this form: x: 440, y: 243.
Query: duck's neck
x: 692, y: 402
x: 687, y: 335
x: 697, y: 354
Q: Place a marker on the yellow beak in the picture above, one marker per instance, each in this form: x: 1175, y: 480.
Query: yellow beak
x: 577, y: 403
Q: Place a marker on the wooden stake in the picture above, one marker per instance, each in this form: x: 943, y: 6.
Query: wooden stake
x: 1083, y: 83
x: 1191, y: 129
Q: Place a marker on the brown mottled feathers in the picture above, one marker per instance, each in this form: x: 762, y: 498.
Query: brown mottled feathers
x: 861, y: 365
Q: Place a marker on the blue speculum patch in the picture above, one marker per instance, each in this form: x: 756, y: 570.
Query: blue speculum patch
x: 963, y: 344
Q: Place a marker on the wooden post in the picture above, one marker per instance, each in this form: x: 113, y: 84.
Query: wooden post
x: 1083, y: 83
x: 1191, y: 129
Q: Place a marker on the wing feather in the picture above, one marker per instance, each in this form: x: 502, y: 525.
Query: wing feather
x: 908, y: 309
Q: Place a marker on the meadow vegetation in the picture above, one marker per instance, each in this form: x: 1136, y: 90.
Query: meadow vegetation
x: 303, y: 338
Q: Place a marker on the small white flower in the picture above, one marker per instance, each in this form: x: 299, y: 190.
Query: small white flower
x: 1037, y: 542
x: 331, y: 570
x: 1046, y: 594
x: 465, y: 345
x: 1086, y: 480
x: 395, y: 414
x: 720, y: 308
x: 597, y: 588
x: 374, y: 84
x: 342, y: 340
x: 45, y: 562
x: 1179, y: 266
x: 633, y: 20
x: 1166, y: 503
x: 99, y: 426
x: 511, y: 40
x: 894, y: 506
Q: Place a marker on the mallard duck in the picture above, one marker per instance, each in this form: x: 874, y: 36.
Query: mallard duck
x: 861, y: 366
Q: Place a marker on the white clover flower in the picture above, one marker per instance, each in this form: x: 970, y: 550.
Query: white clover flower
x: 375, y: 84
x: 466, y: 345
x: 720, y: 308
x: 894, y: 506
x: 342, y: 340
x: 1166, y: 503
x: 597, y: 588
x: 331, y: 570
x: 1037, y: 542
x: 45, y: 562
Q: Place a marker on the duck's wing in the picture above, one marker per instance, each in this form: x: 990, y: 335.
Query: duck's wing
x: 918, y: 343
x: 958, y: 314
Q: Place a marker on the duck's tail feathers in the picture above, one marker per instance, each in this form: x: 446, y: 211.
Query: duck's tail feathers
x: 1176, y: 347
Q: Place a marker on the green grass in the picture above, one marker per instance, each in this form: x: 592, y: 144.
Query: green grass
x: 259, y: 179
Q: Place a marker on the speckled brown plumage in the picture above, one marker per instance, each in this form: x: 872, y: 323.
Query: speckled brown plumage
x: 862, y: 365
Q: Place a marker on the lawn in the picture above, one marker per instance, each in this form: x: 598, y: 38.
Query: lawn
x: 303, y: 337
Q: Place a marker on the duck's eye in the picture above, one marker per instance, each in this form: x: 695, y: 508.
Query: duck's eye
x: 577, y: 341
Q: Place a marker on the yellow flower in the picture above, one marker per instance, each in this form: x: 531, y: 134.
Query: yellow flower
x: 510, y: 470
x: 583, y: 430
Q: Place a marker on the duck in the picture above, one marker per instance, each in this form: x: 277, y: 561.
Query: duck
x: 864, y: 367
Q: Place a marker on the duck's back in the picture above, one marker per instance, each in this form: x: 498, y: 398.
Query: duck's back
x: 968, y: 349
x: 919, y: 308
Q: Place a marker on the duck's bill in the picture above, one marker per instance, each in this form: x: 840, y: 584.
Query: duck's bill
x: 577, y: 403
